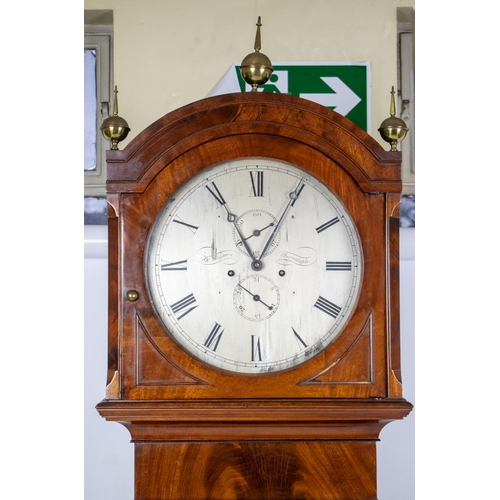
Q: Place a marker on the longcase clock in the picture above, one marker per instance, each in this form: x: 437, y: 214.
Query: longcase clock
x: 254, y: 301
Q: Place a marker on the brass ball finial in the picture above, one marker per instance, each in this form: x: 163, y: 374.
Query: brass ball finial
x: 256, y: 68
x: 115, y: 128
x: 393, y: 129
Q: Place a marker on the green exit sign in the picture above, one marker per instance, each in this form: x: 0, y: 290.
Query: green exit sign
x: 342, y: 87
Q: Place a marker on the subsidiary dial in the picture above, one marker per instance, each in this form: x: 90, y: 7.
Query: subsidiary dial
x: 256, y: 298
x: 255, y: 225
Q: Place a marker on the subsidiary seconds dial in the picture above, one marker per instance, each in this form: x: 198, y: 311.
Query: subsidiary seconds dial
x: 254, y: 266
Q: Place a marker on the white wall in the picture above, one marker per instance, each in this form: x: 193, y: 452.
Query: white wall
x: 108, y: 452
x: 168, y: 53
x: 109, y: 457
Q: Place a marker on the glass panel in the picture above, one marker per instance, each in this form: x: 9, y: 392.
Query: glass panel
x: 90, y: 113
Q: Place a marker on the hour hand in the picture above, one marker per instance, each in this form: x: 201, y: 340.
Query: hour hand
x: 256, y: 263
x: 214, y: 191
x: 232, y: 218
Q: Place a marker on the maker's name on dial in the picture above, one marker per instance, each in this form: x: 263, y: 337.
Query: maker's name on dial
x: 209, y: 256
x: 306, y: 256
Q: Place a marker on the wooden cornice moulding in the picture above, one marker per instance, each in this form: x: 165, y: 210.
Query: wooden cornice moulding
x: 284, y: 116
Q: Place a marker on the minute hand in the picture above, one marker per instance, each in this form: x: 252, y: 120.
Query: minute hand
x: 293, y: 198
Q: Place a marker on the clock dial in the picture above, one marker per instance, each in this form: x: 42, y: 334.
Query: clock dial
x: 254, y: 266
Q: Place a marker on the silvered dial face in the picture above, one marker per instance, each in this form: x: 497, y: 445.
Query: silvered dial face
x: 254, y: 266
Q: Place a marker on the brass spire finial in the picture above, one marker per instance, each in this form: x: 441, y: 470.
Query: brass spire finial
x: 115, y: 101
x: 258, y: 44
x: 256, y: 68
x: 393, y: 129
x: 115, y: 128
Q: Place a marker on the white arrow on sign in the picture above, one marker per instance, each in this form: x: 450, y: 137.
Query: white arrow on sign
x: 344, y: 99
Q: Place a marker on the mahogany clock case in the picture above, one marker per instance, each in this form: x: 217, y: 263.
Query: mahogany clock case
x: 305, y: 432
x: 363, y: 361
